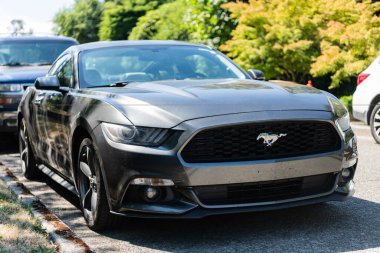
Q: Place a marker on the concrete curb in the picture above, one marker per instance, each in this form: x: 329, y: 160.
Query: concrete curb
x: 59, y: 233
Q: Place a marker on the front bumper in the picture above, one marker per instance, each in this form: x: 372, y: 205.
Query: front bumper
x: 9, y: 102
x: 122, y: 163
x: 191, y: 211
x: 8, y: 121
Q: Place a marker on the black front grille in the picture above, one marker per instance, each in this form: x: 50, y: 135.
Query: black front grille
x: 240, y: 142
x: 265, y: 191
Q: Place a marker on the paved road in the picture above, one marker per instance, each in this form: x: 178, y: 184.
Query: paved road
x: 353, y: 225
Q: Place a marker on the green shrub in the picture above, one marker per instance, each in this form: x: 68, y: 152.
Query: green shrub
x: 347, y: 101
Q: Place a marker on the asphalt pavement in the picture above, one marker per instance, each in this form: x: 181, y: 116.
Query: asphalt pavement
x: 351, y: 226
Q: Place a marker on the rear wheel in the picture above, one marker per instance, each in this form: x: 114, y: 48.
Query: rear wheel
x: 28, y: 161
x: 375, y: 123
x: 93, y: 198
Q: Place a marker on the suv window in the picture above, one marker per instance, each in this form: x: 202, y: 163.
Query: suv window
x: 65, y: 73
x: 31, y: 52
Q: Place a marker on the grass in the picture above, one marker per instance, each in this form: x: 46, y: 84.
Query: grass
x: 19, y: 231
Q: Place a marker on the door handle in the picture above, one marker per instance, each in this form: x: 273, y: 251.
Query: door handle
x: 37, y: 102
x: 39, y: 98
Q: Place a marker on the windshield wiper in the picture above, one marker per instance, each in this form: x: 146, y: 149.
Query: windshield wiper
x: 12, y: 64
x: 42, y: 64
x: 117, y: 84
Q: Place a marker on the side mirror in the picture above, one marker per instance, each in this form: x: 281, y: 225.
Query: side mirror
x: 256, y: 74
x: 47, y: 83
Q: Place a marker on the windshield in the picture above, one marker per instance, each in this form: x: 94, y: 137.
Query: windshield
x: 153, y: 63
x: 25, y: 53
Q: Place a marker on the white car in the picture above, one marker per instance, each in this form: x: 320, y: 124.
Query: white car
x: 366, y: 99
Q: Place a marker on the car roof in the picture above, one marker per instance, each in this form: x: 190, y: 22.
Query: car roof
x: 36, y: 38
x: 119, y: 43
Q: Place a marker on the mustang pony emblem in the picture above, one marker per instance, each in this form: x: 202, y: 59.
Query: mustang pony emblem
x: 269, y: 139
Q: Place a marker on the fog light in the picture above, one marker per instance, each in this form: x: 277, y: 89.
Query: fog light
x: 346, y: 173
x: 152, y: 193
x: 152, y: 182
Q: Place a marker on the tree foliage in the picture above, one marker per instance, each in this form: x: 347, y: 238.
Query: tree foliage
x: 208, y: 23
x: 278, y: 37
x: 295, y: 40
x: 163, y: 23
x: 330, y: 41
x: 350, y: 39
x: 120, y: 17
x: 81, y: 21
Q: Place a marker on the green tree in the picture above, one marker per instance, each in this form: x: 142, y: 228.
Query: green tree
x: 350, y: 39
x: 297, y: 40
x: 163, y: 23
x: 81, y: 21
x: 120, y: 17
x: 208, y: 23
x: 278, y: 37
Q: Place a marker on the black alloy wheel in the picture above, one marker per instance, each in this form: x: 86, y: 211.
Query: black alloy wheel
x: 93, y: 198
x: 375, y: 123
x: 28, y: 161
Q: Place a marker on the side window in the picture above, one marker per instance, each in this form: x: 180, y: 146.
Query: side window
x: 57, y: 64
x: 65, y: 73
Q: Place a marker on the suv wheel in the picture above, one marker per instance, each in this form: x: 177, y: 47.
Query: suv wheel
x: 375, y: 123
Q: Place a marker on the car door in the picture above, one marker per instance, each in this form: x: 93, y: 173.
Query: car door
x: 52, y: 115
x: 41, y: 108
x: 62, y: 103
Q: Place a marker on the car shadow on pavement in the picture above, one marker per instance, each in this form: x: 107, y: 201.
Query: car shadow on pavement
x: 333, y: 227
x: 8, y: 143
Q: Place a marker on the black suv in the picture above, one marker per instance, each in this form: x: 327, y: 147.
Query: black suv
x: 22, y: 60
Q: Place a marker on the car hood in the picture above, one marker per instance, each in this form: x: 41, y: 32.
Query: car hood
x: 21, y: 74
x: 168, y: 103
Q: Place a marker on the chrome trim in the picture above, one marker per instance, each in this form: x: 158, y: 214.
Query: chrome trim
x: 58, y: 179
x: 268, y: 202
x: 350, y: 163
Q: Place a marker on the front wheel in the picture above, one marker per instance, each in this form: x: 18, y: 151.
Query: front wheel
x: 375, y: 123
x: 28, y: 160
x: 93, y: 198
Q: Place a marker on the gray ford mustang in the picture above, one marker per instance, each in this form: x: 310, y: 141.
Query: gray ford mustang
x: 166, y: 129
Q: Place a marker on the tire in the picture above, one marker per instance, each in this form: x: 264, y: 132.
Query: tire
x: 28, y: 160
x: 93, y: 198
x: 375, y: 123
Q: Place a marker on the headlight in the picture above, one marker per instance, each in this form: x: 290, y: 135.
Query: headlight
x: 341, y: 114
x: 144, y: 136
x: 10, y: 87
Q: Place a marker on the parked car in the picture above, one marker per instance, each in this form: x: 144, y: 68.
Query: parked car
x: 166, y: 129
x: 366, y: 99
x: 22, y: 60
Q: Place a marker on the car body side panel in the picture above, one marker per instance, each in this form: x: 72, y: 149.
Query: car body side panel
x: 71, y: 110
